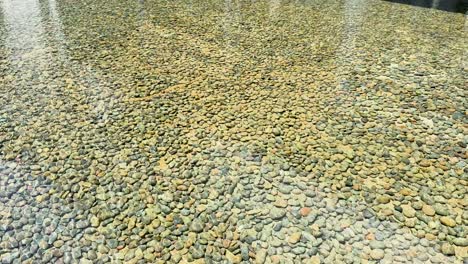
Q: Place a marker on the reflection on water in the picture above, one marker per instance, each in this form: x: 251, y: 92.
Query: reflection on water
x: 273, y: 8
x: 348, y: 54
x: 231, y: 22
x: 25, y: 33
x: 57, y: 28
x: 232, y: 131
x: 460, y: 6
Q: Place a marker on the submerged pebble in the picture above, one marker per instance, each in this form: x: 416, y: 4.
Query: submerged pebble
x: 260, y: 132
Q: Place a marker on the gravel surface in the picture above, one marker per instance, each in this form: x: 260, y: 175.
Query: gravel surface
x: 232, y: 132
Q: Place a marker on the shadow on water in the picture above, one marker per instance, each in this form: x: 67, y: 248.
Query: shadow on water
x: 456, y: 6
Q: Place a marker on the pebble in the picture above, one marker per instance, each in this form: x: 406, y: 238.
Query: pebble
x: 448, y: 221
x: 196, y: 226
x: 245, y: 252
x: 277, y: 213
x: 232, y: 258
x: 447, y: 249
x: 112, y: 243
x: 428, y: 210
x: 305, y: 211
x: 298, y: 250
x: 154, y: 132
x: 408, y: 211
x: 441, y: 209
x: 377, y: 254
x: 459, y: 241
x: 383, y: 199
x: 314, y: 260
x: 368, y: 213
x: 94, y: 221
x: 375, y: 244
x: 294, y: 237
x: 260, y: 256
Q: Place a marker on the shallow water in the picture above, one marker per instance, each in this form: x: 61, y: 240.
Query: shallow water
x: 232, y: 131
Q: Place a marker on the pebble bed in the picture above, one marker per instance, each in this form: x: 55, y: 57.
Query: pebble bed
x: 232, y: 132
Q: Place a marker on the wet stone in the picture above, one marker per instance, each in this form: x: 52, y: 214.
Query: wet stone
x: 447, y: 249
x: 368, y: 213
x: 196, y: 226
x: 377, y: 254
x: 284, y: 188
x: 441, y: 209
x: 227, y: 132
x: 294, y: 238
x: 277, y: 213
x: 112, y: 243
x: 448, y: 221
x: 428, y: 210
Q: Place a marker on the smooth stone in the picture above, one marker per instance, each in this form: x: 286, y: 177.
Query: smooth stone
x: 441, y: 209
x: 285, y: 189
x: 310, y: 193
x: 294, y: 237
x: 377, y: 254
x: 367, y: 213
x: 375, y: 244
x: 408, y: 211
x: 281, y: 203
x: 92, y: 255
x: 383, y: 199
x: 94, y: 221
x: 447, y: 249
x: 248, y: 235
x: 428, y: 210
x: 448, y: 221
x: 298, y: 250
x: 244, y: 252
x: 417, y: 205
x: 196, y: 253
x: 196, y: 226
x: 260, y: 256
x: 277, y: 213
x: 112, y: 243
x: 460, y: 241
x: 427, y: 198
x: 233, y: 258
x: 314, y: 260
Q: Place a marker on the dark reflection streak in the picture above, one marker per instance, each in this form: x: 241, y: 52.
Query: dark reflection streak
x: 456, y: 6
x: 464, y: 55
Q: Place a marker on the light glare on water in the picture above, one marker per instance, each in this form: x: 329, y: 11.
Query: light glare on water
x: 232, y: 132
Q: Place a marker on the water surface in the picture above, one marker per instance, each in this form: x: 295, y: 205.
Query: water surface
x: 229, y: 131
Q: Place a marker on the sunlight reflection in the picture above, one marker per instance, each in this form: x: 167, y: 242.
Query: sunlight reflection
x: 57, y: 28
x: 354, y: 11
x: 231, y: 22
x: 25, y: 31
x: 273, y: 8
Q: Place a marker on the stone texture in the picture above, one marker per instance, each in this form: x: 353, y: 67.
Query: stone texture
x: 259, y: 131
